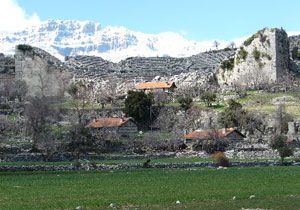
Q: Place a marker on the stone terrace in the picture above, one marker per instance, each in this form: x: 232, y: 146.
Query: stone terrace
x: 148, y: 68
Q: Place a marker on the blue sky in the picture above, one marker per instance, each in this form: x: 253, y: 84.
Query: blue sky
x: 195, y: 19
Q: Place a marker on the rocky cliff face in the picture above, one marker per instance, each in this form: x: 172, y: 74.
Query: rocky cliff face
x: 41, y: 71
x: 7, y: 68
x: 262, y: 58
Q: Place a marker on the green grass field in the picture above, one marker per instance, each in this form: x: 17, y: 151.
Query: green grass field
x: 273, y: 187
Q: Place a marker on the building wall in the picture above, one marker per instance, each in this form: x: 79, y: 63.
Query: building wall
x: 128, y: 129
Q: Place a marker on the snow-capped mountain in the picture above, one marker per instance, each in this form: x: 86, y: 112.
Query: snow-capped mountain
x: 68, y: 37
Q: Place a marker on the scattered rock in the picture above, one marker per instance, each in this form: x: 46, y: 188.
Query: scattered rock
x: 252, y: 196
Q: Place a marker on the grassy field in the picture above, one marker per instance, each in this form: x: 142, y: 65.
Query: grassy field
x: 273, y: 187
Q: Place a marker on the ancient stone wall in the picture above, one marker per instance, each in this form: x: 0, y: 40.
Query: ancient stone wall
x: 7, y: 69
x: 41, y: 71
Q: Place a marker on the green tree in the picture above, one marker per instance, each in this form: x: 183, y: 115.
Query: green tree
x: 233, y: 116
x: 279, y: 143
x: 138, y: 105
x: 208, y: 98
x: 185, y: 102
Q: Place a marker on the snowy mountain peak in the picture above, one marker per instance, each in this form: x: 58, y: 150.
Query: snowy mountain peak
x: 71, y: 37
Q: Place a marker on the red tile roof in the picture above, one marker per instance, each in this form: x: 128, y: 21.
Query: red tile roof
x: 108, y: 122
x: 154, y: 85
x: 202, y: 134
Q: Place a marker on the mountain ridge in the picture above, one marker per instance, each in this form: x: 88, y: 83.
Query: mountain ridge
x: 115, y: 43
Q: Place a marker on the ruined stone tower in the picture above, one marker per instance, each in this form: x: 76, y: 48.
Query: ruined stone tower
x: 41, y: 71
x: 262, y: 58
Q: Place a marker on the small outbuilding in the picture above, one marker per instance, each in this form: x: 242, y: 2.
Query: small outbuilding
x: 125, y: 127
x: 160, y: 86
x: 231, y: 135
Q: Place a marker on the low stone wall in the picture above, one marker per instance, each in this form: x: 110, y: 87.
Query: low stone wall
x: 89, y: 167
x: 37, y: 157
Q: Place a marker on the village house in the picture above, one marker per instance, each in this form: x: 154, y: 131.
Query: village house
x: 124, y: 127
x: 160, y: 86
x: 232, y: 135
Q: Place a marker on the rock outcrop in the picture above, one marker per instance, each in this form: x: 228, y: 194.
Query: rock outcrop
x: 41, y: 71
x: 7, y: 68
x: 262, y: 58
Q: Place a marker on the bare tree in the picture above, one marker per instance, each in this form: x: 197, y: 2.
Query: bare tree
x: 232, y: 45
x: 281, y: 120
x: 216, y: 44
x: 38, y: 119
x: 81, y: 93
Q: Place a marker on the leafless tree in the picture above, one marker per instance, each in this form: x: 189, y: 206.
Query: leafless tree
x: 232, y: 45
x: 281, y: 120
x: 216, y: 44
x: 81, y: 93
x: 39, y: 117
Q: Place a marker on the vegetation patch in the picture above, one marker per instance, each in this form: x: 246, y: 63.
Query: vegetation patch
x: 228, y: 64
x: 298, y: 54
x: 256, y: 54
x: 266, y: 55
x: 242, y: 53
x: 24, y: 47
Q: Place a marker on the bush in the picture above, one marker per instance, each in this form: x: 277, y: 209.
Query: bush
x: 24, y: 47
x: 243, y: 53
x: 248, y: 41
x: 221, y: 159
x: 228, y: 64
x: 185, y: 102
x: 298, y: 54
x: 279, y: 143
x: 146, y: 164
x: 214, y: 145
x: 256, y: 54
x: 208, y: 98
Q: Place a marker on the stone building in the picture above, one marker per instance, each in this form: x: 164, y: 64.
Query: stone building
x: 159, y: 86
x: 232, y: 135
x: 124, y: 127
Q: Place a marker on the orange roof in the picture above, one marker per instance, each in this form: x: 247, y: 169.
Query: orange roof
x: 108, y: 122
x: 154, y: 85
x: 202, y: 134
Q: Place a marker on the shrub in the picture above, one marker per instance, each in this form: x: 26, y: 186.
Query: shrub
x: 279, y: 143
x: 256, y: 54
x: 146, y: 164
x: 221, y: 159
x: 243, y: 53
x: 185, y: 102
x: 298, y: 54
x: 214, y: 145
x: 228, y: 64
x: 248, y: 41
x: 24, y: 47
x: 208, y: 98
x: 233, y: 115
